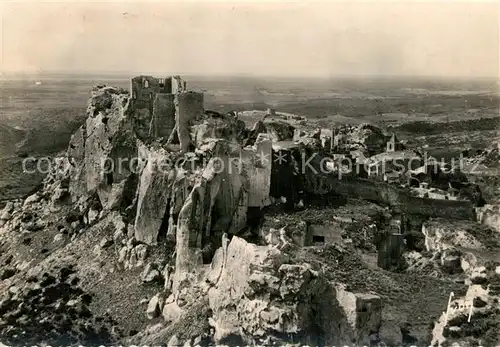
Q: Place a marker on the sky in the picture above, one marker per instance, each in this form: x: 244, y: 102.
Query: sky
x: 445, y: 39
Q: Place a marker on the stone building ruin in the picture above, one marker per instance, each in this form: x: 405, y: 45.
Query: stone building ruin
x: 391, y: 144
x: 163, y: 107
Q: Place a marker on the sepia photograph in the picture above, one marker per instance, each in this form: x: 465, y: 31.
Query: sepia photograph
x: 249, y: 173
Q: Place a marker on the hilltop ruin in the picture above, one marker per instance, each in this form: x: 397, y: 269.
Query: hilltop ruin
x: 197, y: 202
x: 163, y: 107
x: 258, y: 227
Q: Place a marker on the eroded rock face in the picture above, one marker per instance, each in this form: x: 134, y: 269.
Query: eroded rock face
x: 258, y: 171
x: 215, y: 205
x: 153, y: 196
x: 279, y: 130
x: 365, y: 136
x: 216, y: 126
x: 257, y: 296
x: 440, y: 235
x: 489, y: 215
x: 456, y: 245
x: 76, y: 157
x: 101, y: 151
x: 109, y: 149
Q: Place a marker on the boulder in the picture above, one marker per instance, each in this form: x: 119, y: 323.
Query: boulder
x: 171, y: 311
x: 142, y: 253
x: 32, y: 199
x: 92, y: 216
x: 135, y: 255
x: 122, y: 254
x: 9, y: 207
x: 105, y: 242
x: 167, y: 274
x: 58, y: 238
x: 153, y: 309
x: 174, y: 342
x: 5, y: 216
x: 150, y: 273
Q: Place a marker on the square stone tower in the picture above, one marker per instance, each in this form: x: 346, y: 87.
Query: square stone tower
x: 163, y: 105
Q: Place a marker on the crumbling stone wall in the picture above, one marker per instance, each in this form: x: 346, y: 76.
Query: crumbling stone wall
x: 327, y: 233
x: 142, y: 87
x: 152, y: 104
x: 188, y: 106
x: 163, y: 115
x: 178, y: 85
x: 454, y: 209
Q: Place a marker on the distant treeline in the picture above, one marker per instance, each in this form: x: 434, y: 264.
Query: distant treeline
x: 433, y: 128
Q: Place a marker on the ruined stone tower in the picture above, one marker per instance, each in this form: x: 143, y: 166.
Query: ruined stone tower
x: 162, y: 105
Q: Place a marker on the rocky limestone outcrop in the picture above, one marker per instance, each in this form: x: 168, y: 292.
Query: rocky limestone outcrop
x: 441, y: 234
x: 221, y: 176
x: 457, y: 247
x: 258, y: 296
x: 215, y: 205
x: 365, y: 137
x: 363, y: 312
x: 279, y: 127
x: 154, y: 195
x: 213, y: 125
x: 101, y: 152
x: 489, y: 215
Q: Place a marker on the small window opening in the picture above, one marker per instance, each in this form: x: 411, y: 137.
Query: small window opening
x: 146, y: 84
x: 319, y: 239
x: 109, y: 178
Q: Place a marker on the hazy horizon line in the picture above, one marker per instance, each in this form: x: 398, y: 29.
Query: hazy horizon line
x: 244, y: 75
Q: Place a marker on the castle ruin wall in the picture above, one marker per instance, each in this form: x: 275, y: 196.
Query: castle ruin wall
x: 188, y: 106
